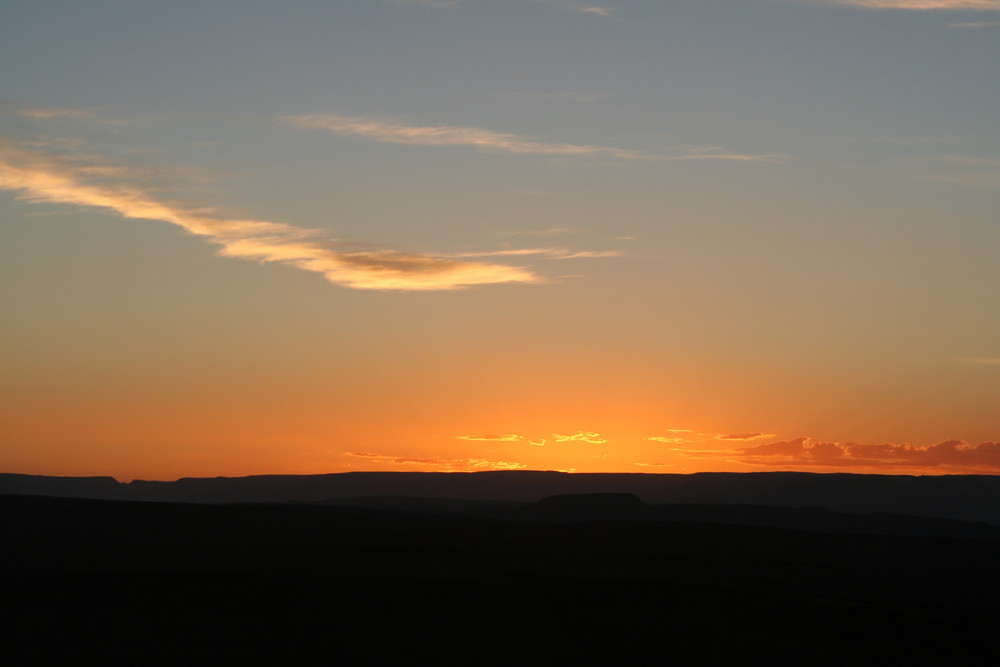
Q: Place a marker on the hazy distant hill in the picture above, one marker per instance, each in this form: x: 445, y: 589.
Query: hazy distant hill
x: 963, y: 497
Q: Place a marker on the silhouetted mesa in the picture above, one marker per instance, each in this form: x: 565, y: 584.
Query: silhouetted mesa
x: 587, y: 507
x: 961, y: 497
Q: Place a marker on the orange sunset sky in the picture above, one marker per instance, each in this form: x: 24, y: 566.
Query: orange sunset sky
x: 246, y: 237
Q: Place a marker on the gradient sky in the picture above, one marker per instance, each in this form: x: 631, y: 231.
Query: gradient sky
x: 242, y: 237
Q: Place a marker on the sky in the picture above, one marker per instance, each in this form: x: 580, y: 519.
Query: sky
x: 243, y: 237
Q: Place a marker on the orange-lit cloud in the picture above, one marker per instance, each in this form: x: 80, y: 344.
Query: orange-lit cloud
x: 507, y: 437
x: 83, y: 180
x: 581, y: 436
x: 438, y: 462
x: 952, y: 454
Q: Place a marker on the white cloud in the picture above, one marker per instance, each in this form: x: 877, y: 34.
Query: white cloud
x: 83, y: 180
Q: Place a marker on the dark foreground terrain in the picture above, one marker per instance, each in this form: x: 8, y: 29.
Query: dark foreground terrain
x: 113, y: 582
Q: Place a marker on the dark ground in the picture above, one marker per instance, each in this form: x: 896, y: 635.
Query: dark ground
x: 112, y: 582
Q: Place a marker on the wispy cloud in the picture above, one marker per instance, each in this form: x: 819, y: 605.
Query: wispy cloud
x: 387, y: 131
x: 438, y: 462
x: 42, y: 114
x: 581, y: 436
x: 581, y: 8
x: 719, y: 153
x: 394, y: 132
x: 85, y: 180
x: 682, y: 435
x: 922, y: 4
x: 507, y: 437
x: 551, y: 253
x: 669, y: 439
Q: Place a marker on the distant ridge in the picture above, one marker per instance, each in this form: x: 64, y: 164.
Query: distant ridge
x: 963, y: 497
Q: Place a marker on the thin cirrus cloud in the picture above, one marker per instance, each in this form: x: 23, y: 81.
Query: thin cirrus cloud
x: 394, y: 132
x: 581, y: 8
x: 56, y: 113
x: 387, y: 131
x: 550, y: 253
x: 681, y: 435
x: 506, y: 437
x: 52, y: 176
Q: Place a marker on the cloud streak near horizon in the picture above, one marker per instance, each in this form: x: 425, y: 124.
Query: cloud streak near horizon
x: 951, y: 454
